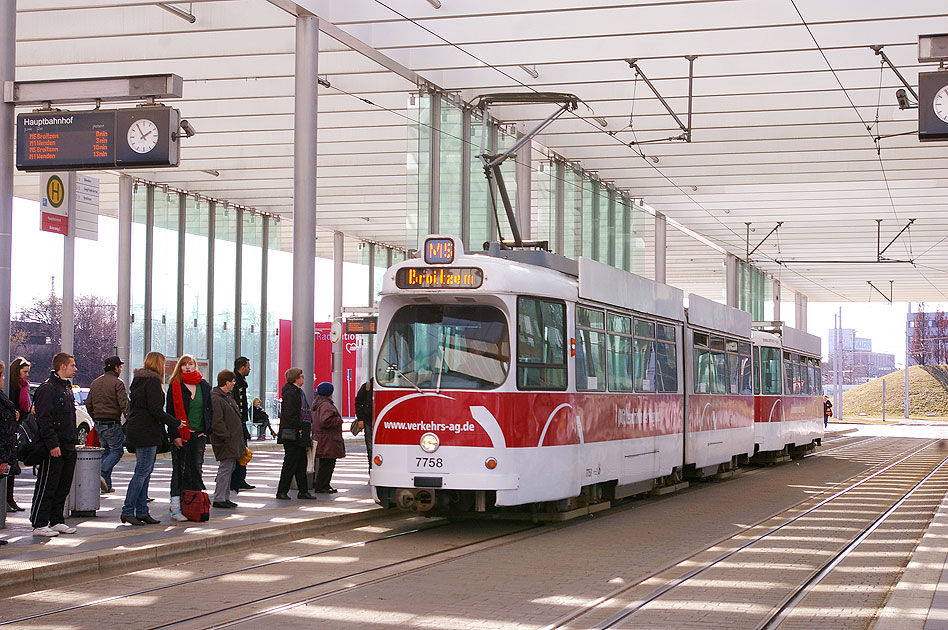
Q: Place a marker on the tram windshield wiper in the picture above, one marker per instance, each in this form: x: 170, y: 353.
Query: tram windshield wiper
x: 394, y: 368
x: 444, y: 340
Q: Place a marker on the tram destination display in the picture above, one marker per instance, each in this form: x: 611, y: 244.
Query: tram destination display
x: 439, y: 278
x: 74, y: 141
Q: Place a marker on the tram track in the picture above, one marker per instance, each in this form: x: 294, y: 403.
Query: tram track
x: 596, y: 614
x: 327, y: 588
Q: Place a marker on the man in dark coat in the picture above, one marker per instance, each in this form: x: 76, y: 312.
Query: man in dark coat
x: 56, y: 419
x: 364, y: 415
x: 227, y: 438
x: 238, y: 480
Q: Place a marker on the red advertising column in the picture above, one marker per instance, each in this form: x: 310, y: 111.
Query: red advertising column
x: 322, y: 371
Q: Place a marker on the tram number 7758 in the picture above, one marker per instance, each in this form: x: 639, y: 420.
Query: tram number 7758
x: 429, y: 462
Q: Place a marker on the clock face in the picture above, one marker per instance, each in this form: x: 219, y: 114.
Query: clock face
x: 940, y: 104
x: 143, y: 135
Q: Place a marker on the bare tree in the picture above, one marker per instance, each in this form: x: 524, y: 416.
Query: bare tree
x: 940, y: 340
x: 920, y: 348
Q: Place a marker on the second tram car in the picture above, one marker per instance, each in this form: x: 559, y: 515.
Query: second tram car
x: 521, y: 378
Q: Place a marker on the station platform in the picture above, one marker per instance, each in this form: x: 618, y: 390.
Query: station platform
x: 104, y: 546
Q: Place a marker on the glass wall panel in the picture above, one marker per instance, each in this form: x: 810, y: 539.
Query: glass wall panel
x: 225, y: 287
x: 164, y: 274
x: 451, y: 149
x: 505, y: 141
x: 590, y: 218
x: 572, y: 214
x: 642, y: 242
x: 279, y: 305
x: 479, y: 222
x: 139, y: 210
x: 606, y: 198
x: 250, y: 292
x: 543, y: 211
x: 419, y: 168
x: 622, y: 232
x: 195, y: 278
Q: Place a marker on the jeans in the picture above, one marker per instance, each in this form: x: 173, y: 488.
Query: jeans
x: 112, y: 440
x: 187, y: 465
x: 136, y: 499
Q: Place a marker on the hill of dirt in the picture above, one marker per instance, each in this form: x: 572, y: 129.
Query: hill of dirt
x: 928, y: 394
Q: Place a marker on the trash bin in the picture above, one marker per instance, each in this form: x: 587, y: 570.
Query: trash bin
x: 83, y: 499
x: 3, y: 501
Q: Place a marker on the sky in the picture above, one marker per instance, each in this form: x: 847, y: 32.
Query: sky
x: 38, y: 258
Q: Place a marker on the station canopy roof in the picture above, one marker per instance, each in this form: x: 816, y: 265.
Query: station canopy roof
x: 795, y: 118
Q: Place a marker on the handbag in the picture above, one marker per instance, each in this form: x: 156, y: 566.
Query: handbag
x: 244, y: 459
x: 288, y: 436
x: 195, y: 505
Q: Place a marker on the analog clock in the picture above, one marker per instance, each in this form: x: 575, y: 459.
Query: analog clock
x: 940, y: 104
x: 143, y: 135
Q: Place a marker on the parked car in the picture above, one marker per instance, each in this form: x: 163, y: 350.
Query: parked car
x: 84, y: 422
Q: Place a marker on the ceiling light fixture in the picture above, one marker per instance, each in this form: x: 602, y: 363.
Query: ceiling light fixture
x: 602, y: 121
x: 531, y: 71
x: 181, y: 13
x: 654, y: 158
x: 435, y: 3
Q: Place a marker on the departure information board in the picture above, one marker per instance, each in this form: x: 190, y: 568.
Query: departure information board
x: 65, y: 141
x: 72, y: 141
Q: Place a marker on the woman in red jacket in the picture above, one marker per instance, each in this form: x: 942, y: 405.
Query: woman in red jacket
x: 327, y: 435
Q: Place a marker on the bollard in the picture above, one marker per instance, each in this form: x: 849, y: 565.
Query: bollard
x: 83, y: 499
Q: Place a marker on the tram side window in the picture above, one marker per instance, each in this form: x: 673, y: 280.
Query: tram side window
x: 620, y: 353
x: 756, y: 370
x: 787, y: 374
x: 541, y: 352
x: 817, y: 377
x: 667, y: 355
x: 719, y: 378
x: 702, y: 361
x: 645, y: 363
x: 745, y: 380
x: 769, y: 371
x: 590, y: 350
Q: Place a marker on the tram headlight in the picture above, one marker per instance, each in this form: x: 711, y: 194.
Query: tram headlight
x: 429, y: 442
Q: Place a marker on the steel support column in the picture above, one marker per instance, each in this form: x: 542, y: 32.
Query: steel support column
x: 559, y: 227
x: 68, y: 320
x: 338, y: 257
x: 304, y: 198
x: 211, y: 245
x: 466, y: 178
x: 661, y: 245
x: 776, y: 301
x: 7, y: 121
x: 434, y: 169
x: 370, y: 339
x: 123, y: 309
x: 730, y: 280
x: 611, y: 224
x: 523, y: 176
x: 261, y: 366
x: 238, y: 288
x: 799, y: 319
x: 149, y: 260
x: 182, y: 240
x: 594, y: 221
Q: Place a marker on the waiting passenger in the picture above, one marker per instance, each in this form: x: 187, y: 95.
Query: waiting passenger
x: 292, y: 436
x: 188, y: 400
x: 327, y: 433
x: 227, y: 437
x: 261, y: 419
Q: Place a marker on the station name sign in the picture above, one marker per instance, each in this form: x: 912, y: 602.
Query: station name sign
x: 439, y: 278
x: 121, y: 138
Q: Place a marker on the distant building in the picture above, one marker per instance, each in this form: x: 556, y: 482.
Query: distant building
x: 857, y: 361
x: 927, y: 338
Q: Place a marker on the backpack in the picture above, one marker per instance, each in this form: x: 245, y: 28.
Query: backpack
x: 30, y: 448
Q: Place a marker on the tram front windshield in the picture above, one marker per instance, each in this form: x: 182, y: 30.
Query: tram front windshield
x: 440, y: 346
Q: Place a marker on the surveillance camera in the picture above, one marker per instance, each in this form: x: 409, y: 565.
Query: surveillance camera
x: 187, y: 128
x: 902, y: 98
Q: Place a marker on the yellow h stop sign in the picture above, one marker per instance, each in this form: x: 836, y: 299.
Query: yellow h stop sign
x: 55, y: 191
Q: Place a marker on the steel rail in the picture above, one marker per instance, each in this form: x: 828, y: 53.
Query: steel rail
x: 804, y: 589
x: 634, y: 607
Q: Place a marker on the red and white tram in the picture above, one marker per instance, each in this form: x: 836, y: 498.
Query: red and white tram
x: 518, y: 377
x: 788, y: 391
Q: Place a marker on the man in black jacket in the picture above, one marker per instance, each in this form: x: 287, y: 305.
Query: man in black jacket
x: 238, y: 480
x: 56, y: 419
x: 364, y: 415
